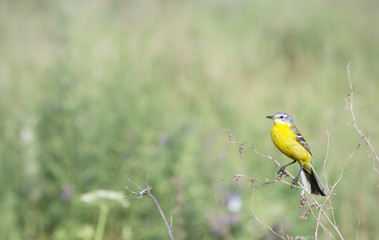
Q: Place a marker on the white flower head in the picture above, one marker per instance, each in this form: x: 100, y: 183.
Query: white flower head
x: 101, y: 195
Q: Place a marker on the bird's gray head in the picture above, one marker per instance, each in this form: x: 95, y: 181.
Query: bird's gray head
x: 281, y: 117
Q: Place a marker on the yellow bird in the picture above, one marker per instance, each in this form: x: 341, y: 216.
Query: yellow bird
x: 289, y: 141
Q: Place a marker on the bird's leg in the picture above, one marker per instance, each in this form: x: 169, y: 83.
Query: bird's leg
x: 296, y: 179
x: 281, y: 170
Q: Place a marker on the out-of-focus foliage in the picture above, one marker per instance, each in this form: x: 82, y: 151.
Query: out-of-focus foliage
x: 95, y: 92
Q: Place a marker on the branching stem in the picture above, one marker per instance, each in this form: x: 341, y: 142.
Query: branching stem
x: 147, y: 192
x: 350, y: 106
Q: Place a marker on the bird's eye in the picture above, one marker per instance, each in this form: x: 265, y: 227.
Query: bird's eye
x: 281, y: 116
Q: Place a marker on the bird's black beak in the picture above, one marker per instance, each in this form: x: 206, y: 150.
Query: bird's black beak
x: 270, y: 117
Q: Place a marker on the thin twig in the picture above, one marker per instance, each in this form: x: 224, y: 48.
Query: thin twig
x: 357, y: 230
x: 340, y: 175
x: 260, y: 221
x: 326, y: 180
x: 322, y: 225
x: 321, y: 211
x: 147, y: 192
x: 318, y: 218
x: 266, y: 181
x: 253, y: 180
x: 251, y: 146
x: 350, y: 106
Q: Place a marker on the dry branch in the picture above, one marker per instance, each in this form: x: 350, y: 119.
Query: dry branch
x: 313, y: 202
x: 146, y: 192
x: 350, y: 105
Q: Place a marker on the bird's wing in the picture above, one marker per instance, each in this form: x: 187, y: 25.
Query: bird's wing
x: 300, y: 139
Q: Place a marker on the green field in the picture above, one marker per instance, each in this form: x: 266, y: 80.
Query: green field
x: 93, y: 93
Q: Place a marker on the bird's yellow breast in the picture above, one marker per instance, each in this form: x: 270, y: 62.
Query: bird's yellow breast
x: 284, y: 139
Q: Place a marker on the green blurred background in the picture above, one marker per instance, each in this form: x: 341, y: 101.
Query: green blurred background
x: 95, y: 92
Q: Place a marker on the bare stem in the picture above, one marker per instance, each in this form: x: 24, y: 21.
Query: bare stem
x: 322, y: 225
x: 350, y: 106
x: 340, y: 175
x: 256, y: 217
x: 147, y: 192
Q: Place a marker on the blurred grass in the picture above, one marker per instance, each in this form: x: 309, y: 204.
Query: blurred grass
x: 94, y: 93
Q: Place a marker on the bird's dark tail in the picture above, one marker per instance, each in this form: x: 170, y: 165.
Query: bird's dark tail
x: 312, y: 183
